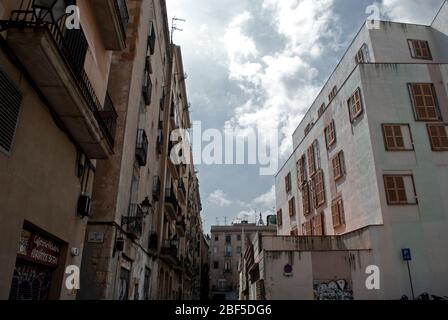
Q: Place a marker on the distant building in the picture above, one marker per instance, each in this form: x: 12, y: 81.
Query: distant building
x: 226, y: 246
x: 368, y: 176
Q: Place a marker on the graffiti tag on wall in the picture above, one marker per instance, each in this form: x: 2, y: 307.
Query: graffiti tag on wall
x: 332, y: 290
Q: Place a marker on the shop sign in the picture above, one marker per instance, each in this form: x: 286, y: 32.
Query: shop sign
x: 38, y: 249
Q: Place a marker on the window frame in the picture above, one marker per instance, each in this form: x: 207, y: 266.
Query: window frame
x: 317, y: 204
x: 355, y: 116
x: 318, y: 218
x: 288, y: 182
x: 433, y: 148
x: 292, y: 207
x: 330, y: 128
x: 413, y: 51
x: 340, y: 157
x: 387, y: 147
x: 301, y: 171
x: 306, y: 199
x: 389, y: 203
x: 339, y: 204
x: 414, y: 105
x: 311, y: 160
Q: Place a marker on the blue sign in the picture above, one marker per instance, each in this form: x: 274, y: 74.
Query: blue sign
x: 406, y: 254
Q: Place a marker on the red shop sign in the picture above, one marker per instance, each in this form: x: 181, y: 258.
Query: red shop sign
x: 38, y: 249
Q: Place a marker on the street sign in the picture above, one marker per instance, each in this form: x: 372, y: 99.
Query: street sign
x: 406, y: 254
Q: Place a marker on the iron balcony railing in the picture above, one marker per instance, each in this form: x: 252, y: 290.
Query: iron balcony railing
x: 121, y: 8
x: 73, y: 45
x: 134, y: 221
x: 170, y: 197
x: 169, y: 248
x: 141, y: 150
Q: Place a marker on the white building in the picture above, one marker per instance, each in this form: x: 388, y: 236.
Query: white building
x: 370, y: 163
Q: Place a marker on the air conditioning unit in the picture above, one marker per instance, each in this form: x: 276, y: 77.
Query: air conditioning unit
x: 84, y: 205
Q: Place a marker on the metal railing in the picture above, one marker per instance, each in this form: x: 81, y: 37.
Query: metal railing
x: 170, y: 197
x: 141, y: 150
x: 134, y: 220
x: 72, y: 45
x: 169, y: 247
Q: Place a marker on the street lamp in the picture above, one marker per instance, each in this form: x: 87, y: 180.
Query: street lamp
x: 49, y: 10
x: 146, y: 205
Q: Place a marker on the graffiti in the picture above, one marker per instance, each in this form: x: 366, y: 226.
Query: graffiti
x: 30, y: 282
x: 333, y: 290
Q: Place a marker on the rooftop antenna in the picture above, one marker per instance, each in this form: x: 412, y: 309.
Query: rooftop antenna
x: 174, y: 26
x: 217, y: 221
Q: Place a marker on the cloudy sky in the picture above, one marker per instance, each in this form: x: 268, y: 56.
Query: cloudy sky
x: 260, y: 63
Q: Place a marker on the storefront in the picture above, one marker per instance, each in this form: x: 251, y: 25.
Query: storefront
x: 37, y: 260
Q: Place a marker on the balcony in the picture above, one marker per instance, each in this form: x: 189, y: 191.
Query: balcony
x: 153, y: 241
x: 134, y: 221
x: 112, y: 17
x: 141, y: 150
x: 171, y: 203
x: 227, y: 271
x: 182, y: 191
x: 156, y: 188
x: 168, y: 251
x: 180, y: 226
x: 54, y: 58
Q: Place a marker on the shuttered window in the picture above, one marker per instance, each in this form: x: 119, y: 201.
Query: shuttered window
x: 337, y: 212
x: 400, y: 189
x: 420, y: 49
x: 319, y: 189
x: 306, y: 199
x: 438, y: 136
x: 288, y: 183
x: 355, y: 105
x: 311, y: 161
x: 10, y: 104
x: 330, y: 134
x: 318, y: 225
x: 292, y: 207
x: 393, y: 137
x: 338, y: 166
x: 280, y: 217
x: 301, y: 171
x: 425, y: 101
x: 307, y: 228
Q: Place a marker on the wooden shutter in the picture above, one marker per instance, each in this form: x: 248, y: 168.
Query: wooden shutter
x: 306, y: 199
x: 337, y: 212
x: 393, y: 137
x: 438, y: 137
x: 424, y: 100
x: 279, y: 217
x: 319, y: 189
x: 292, y: 207
x: 420, y: 49
x: 355, y: 104
x: 395, y: 190
x: 10, y: 105
x: 288, y: 182
x: 338, y: 167
x: 330, y: 134
x: 318, y: 225
x: 311, y: 161
x: 301, y: 171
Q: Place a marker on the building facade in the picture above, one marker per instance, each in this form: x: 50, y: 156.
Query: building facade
x: 86, y: 125
x: 370, y: 163
x: 56, y: 121
x: 227, y: 244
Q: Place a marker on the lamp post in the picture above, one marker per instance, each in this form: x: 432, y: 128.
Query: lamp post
x: 146, y: 205
x: 49, y: 10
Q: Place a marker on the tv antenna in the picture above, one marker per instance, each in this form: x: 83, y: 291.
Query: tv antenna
x: 174, y: 26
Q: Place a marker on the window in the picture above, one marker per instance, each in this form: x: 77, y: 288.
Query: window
x: 355, y: 105
x: 311, y: 161
x: 228, y: 251
x: 227, y: 267
x: 330, y: 134
x: 228, y: 239
x: 215, y: 265
x: 280, y: 217
x: 306, y: 199
x: 363, y: 55
x: 400, y: 189
x: 10, y: 103
x: 216, y: 238
x: 318, y: 225
x: 438, y: 136
x: 288, y: 183
x: 338, y: 166
x: 321, y: 110
x: 419, y: 49
x: 147, y: 83
x: 301, y: 171
x: 319, y: 189
x: 307, y: 228
x: 333, y: 93
x: 337, y: 213
x: 292, y: 207
x: 151, y: 38
x: 424, y: 101
x: 294, y: 232
x: 238, y: 249
x: 238, y: 237
x: 308, y: 127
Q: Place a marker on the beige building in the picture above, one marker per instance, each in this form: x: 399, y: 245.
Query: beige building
x: 56, y: 120
x: 226, y: 247
x: 366, y: 183
x: 86, y: 139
